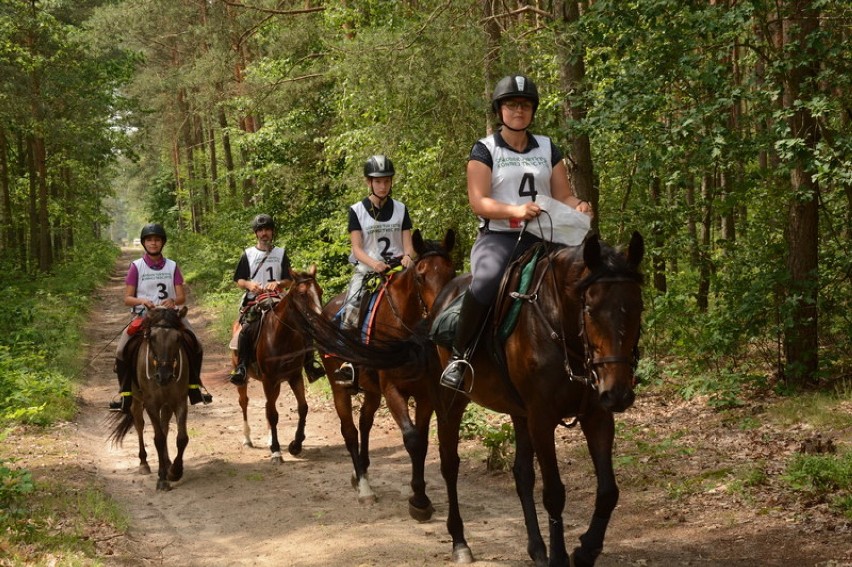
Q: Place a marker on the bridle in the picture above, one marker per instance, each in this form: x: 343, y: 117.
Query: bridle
x: 590, y: 377
x: 418, y: 286
x: 176, y: 364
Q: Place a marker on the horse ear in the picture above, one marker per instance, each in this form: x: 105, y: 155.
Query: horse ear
x: 592, y: 251
x: 417, y: 241
x: 449, y: 240
x: 182, y: 312
x: 312, y: 270
x: 636, y: 250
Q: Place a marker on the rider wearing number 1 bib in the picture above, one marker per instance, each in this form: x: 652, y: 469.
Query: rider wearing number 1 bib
x: 505, y: 171
x: 379, y: 232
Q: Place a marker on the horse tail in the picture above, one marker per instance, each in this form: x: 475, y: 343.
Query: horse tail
x: 379, y: 354
x: 121, y: 424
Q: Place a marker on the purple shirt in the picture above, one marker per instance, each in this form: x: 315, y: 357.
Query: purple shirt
x: 132, y: 277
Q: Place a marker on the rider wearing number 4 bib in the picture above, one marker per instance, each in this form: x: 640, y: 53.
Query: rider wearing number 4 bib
x: 505, y: 171
x: 155, y: 281
x: 380, y: 232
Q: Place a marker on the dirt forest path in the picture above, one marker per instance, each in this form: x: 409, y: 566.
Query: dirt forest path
x: 233, y: 507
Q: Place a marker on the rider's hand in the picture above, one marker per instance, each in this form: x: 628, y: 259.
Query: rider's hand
x: 527, y: 211
x: 380, y: 267
x: 406, y: 261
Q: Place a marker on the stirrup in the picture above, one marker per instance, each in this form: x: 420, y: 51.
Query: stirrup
x: 345, y: 374
x: 453, y: 375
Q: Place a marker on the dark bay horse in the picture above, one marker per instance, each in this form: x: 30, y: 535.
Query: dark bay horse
x: 281, y: 352
x: 407, y: 301
x: 159, y: 389
x: 572, y: 354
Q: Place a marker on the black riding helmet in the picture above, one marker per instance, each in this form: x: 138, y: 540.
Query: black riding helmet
x: 262, y: 221
x: 514, y: 86
x: 153, y: 229
x: 379, y: 166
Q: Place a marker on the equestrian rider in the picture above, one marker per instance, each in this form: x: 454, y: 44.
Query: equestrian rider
x: 263, y: 267
x: 155, y: 281
x: 505, y: 171
x: 379, y: 232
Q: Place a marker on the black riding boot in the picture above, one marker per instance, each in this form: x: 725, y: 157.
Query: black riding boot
x: 471, y: 318
x: 196, y: 389
x: 125, y: 386
x: 313, y: 367
x: 239, y: 376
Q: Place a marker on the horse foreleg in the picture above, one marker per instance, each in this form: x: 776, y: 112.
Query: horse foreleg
x: 599, y: 429
x: 242, y: 391
x: 139, y: 422
x: 160, y: 438
x: 176, y: 470
x: 542, y: 436
x: 449, y: 421
x: 298, y: 387
x: 272, y: 391
x: 366, y: 418
x: 419, y: 506
x: 524, y: 474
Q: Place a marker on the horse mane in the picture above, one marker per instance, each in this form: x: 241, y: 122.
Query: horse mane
x: 162, y: 318
x: 613, y: 264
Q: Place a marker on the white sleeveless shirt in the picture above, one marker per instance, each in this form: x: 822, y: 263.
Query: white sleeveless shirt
x: 516, y: 176
x: 155, y: 285
x: 382, y: 240
x: 270, y: 264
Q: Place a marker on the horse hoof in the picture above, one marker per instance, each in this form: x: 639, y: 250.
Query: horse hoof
x: 421, y: 514
x: 163, y: 486
x: 144, y: 469
x: 277, y: 460
x: 368, y: 500
x: 248, y: 444
x: 294, y: 448
x: 462, y: 554
x: 175, y: 475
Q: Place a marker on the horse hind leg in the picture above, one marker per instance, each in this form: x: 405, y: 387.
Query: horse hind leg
x: 243, y: 394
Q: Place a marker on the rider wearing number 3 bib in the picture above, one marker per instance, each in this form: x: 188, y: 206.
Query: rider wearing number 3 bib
x: 505, y: 171
x: 155, y: 281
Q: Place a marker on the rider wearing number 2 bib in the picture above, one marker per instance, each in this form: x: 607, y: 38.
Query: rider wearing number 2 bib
x: 379, y: 232
x: 505, y: 171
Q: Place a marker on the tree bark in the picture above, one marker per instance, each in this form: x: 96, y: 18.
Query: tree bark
x: 801, y: 337
x: 572, y: 78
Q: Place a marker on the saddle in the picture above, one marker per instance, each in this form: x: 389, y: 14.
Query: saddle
x: 517, y: 280
x: 373, y: 293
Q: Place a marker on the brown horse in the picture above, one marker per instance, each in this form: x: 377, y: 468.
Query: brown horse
x: 282, y: 350
x: 572, y: 354
x: 407, y: 300
x: 160, y: 389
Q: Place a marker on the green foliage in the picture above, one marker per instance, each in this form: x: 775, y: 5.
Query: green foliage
x: 827, y: 477
x: 37, y: 383
x: 15, y: 487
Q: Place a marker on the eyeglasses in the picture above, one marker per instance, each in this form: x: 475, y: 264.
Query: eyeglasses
x: 518, y: 105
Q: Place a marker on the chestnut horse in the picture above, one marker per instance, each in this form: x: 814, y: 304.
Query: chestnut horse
x: 572, y: 354
x: 159, y: 388
x: 407, y: 300
x: 281, y: 351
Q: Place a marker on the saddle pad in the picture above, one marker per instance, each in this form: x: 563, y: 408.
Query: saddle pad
x: 443, y: 329
x: 511, y: 317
